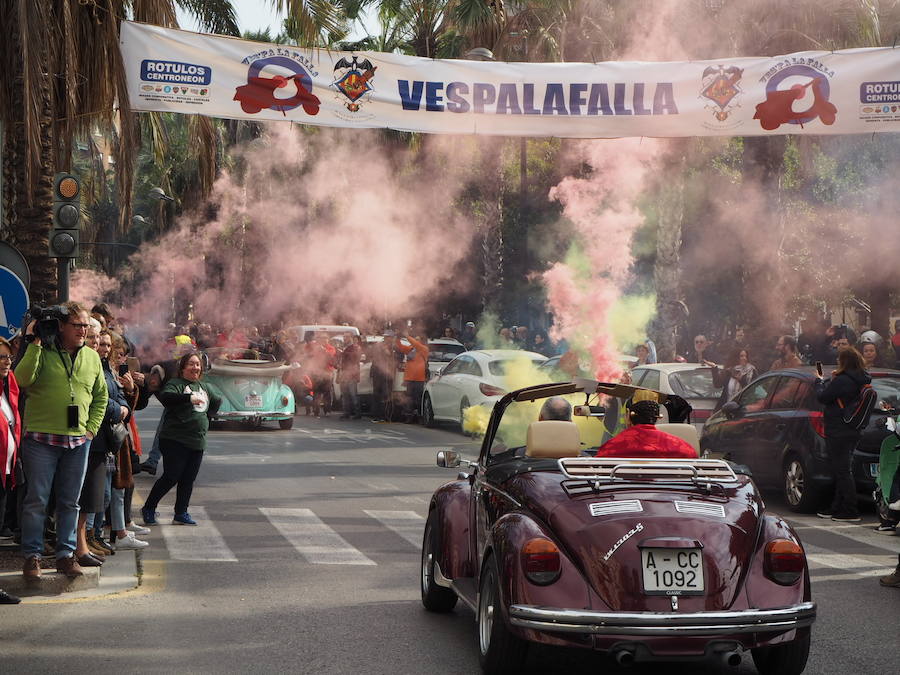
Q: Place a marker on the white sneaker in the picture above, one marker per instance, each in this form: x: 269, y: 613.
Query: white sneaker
x: 137, y: 529
x: 894, y: 506
x: 129, y: 543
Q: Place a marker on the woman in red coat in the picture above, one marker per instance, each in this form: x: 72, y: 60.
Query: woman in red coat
x: 10, y: 436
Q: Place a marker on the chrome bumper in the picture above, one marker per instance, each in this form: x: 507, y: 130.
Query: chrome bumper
x: 249, y: 415
x: 662, y: 623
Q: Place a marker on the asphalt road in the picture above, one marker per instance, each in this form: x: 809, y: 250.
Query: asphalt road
x: 306, y: 561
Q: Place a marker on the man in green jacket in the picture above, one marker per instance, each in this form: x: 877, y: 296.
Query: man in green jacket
x: 66, y: 402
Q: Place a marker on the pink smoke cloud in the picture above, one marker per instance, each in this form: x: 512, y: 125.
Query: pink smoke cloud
x: 323, y: 227
x: 601, y: 208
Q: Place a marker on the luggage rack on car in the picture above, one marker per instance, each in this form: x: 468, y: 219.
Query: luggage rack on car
x: 595, y: 471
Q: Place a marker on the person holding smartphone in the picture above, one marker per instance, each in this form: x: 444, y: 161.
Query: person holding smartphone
x: 836, y: 392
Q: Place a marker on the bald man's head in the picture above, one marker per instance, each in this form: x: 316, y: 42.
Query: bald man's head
x: 556, y: 408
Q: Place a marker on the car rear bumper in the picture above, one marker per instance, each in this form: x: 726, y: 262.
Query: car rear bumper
x: 590, y: 622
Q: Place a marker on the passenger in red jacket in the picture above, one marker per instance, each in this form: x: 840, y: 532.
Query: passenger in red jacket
x: 643, y: 439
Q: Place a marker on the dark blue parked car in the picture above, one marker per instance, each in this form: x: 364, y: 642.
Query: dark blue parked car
x: 775, y: 427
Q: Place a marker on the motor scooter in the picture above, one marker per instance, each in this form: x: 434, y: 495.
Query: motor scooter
x: 887, y: 484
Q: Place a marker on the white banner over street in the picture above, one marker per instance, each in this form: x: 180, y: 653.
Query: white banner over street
x: 844, y: 92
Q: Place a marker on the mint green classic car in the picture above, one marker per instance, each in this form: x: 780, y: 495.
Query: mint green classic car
x: 250, y: 385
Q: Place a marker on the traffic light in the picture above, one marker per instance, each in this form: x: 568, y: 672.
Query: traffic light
x: 64, y: 236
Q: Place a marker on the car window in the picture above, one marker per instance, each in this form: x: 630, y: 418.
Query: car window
x: 651, y: 380
x: 637, y: 375
x: 788, y: 394
x: 444, y: 352
x: 499, y: 366
x: 472, y: 367
x: 753, y: 398
x: 888, y: 389
x: 550, y: 364
x: 455, y: 366
x: 695, y: 383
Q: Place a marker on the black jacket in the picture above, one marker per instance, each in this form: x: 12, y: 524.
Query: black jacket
x: 113, y: 410
x: 841, y: 389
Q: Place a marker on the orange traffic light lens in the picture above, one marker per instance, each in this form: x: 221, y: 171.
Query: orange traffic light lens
x: 68, y: 187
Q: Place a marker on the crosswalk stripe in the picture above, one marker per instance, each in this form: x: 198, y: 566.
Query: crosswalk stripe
x: 197, y: 543
x: 312, y: 538
x: 408, y: 524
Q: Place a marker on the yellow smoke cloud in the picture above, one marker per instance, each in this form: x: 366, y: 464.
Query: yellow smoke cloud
x: 523, y: 372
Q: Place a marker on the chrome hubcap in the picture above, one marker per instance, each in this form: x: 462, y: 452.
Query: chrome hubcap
x: 486, y: 618
x: 793, y: 482
x: 427, y: 562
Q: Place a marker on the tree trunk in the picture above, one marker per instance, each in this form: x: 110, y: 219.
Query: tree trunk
x: 667, y: 269
x: 29, y: 208
x: 880, y: 302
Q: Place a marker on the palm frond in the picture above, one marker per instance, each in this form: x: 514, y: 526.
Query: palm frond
x: 202, y: 135
x: 214, y: 16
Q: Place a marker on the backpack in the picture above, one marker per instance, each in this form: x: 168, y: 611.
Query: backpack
x: 859, y: 410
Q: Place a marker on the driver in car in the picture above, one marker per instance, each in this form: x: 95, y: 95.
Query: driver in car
x: 641, y: 438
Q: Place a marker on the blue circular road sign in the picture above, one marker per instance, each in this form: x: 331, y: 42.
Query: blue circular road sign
x: 13, y: 302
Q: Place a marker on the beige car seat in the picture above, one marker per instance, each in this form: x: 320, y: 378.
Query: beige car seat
x: 686, y: 432
x: 552, y: 439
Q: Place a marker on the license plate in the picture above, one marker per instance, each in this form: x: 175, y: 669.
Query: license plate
x: 253, y: 401
x: 672, y: 571
x: 873, y: 470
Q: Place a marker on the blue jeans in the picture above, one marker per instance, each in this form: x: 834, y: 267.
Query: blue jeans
x: 350, y: 397
x: 46, y: 467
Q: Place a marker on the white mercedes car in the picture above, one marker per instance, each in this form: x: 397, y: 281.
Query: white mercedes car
x: 475, y: 377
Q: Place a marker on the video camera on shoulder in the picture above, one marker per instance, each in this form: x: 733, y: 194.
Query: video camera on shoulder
x: 49, y: 321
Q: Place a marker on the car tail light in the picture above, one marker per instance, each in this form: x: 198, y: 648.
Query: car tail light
x: 817, y: 422
x: 784, y: 561
x: 489, y: 390
x: 700, y: 415
x: 540, y: 560
x: 284, y: 401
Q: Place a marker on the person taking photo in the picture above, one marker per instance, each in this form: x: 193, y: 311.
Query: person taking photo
x: 836, y: 393
x: 67, y: 400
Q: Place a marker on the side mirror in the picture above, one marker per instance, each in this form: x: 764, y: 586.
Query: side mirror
x: 731, y: 409
x: 448, y: 459
x: 437, y: 372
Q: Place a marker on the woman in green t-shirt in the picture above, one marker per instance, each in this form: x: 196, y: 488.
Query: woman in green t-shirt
x: 182, y: 438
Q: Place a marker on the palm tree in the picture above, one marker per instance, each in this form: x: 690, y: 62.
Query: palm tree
x: 64, y: 76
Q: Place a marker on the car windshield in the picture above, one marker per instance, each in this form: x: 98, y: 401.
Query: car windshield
x: 509, y: 441
x: 888, y: 389
x: 500, y: 367
x: 444, y: 352
x: 696, y: 383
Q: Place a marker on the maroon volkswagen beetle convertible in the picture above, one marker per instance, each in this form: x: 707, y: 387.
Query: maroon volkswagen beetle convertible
x: 643, y: 559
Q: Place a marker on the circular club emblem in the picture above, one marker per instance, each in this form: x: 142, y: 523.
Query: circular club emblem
x: 810, y: 87
x: 259, y: 92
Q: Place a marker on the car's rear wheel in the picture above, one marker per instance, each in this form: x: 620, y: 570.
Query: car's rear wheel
x: 427, y: 411
x: 800, y: 495
x: 286, y: 424
x: 435, y: 598
x: 499, y: 651
x: 787, y: 659
x: 462, y: 415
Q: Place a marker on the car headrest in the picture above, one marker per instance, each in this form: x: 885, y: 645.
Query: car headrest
x: 686, y: 432
x: 552, y: 439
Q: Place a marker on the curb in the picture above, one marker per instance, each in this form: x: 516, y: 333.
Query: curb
x: 50, y: 582
x: 120, y: 573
